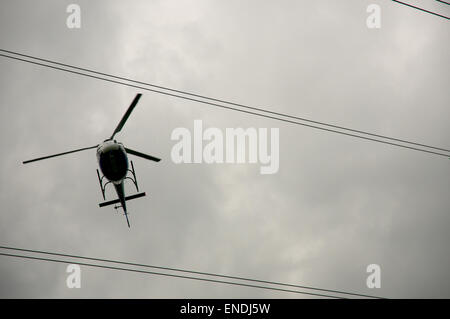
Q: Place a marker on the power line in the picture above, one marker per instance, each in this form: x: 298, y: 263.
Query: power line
x: 443, y: 2
x: 170, y: 275
x: 417, y: 8
x: 190, y: 271
x: 235, y: 109
x: 224, y: 101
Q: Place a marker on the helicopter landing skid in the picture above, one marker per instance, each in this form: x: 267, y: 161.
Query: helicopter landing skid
x: 115, y: 201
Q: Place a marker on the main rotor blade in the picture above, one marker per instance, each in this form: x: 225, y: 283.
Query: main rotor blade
x: 126, y: 115
x: 45, y: 157
x: 149, y: 157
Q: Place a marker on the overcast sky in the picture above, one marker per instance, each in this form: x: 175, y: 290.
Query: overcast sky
x: 336, y: 205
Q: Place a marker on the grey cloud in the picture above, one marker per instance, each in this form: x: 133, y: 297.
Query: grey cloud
x: 336, y: 205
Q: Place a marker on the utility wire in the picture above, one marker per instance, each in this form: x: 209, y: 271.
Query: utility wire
x: 417, y: 8
x: 443, y: 2
x: 170, y: 275
x: 224, y: 101
x: 190, y: 271
x: 232, y: 108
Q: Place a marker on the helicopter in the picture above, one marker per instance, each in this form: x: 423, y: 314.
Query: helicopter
x: 112, y: 158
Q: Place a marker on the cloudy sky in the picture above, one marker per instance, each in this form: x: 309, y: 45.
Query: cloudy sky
x: 336, y: 205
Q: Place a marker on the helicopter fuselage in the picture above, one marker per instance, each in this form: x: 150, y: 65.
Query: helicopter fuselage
x: 113, y: 161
